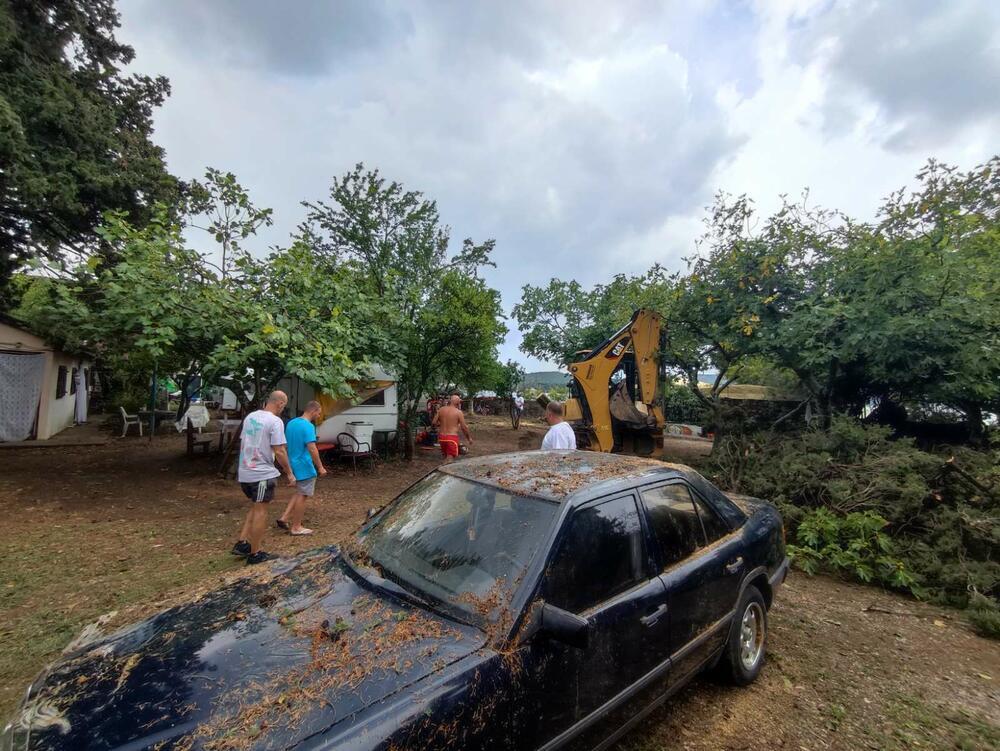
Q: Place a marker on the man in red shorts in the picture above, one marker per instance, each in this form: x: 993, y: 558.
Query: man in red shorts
x: 448, y: 421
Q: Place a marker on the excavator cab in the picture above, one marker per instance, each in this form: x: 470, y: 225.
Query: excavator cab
x: 614, y: 401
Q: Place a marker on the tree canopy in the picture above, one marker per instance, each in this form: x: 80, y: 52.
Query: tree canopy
x: 904, y: 309
x: 74, y: 131
x: 447, y: 322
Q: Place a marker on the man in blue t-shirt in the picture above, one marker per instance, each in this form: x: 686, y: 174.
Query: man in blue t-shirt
x: 300, y: 434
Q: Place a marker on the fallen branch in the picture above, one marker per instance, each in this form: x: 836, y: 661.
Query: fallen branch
x: 986, y: 490
x: 876, y: 609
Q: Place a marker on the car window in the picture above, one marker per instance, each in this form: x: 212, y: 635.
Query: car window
x: 601, y: 555
x: 714, y: 525
x: 674, y: 520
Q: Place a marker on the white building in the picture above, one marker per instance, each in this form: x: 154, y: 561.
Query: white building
x: 38, y: 385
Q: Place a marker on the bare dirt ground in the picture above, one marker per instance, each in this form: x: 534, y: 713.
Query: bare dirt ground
x: 128, y: 525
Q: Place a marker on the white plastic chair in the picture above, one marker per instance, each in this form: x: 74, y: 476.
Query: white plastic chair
x: 127, y: 420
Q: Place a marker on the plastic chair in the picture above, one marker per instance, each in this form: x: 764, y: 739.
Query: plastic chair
x: 128, y: 420
x: 353, y: 449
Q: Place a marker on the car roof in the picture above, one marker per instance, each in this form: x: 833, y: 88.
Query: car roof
x: 562, y: 476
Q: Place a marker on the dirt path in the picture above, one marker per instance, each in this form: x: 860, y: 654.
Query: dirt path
x: 127, y: 525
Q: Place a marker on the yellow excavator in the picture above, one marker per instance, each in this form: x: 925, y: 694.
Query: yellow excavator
x: 614, y: 395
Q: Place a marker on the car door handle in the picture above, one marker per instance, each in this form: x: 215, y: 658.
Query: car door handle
x: 735, y: 565
x: 652, y: 618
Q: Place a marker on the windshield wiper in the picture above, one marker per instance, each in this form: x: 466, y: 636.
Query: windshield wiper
x: 380, y: 580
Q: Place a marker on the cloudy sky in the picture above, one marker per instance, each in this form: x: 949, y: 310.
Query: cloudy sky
x: 585, y: 137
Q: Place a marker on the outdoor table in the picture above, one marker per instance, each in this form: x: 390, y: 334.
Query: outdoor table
x: 387, y: 437
x: 159, y: 415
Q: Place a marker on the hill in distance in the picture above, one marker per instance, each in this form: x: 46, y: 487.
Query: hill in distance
x: 545, y: 379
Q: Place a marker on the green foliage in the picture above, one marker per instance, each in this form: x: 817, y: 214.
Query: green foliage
x: 856, y: 543
x: 942, y: 523
x: 984, y: 615
x: 247, y: 323
x: 74, y: 131
x: 446, y: 322
x: 905, y: 309
x: 680, y: 405
x: 562, y: 318
x: 505, y: 378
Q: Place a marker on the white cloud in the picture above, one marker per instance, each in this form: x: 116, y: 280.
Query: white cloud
x: 585, y: 137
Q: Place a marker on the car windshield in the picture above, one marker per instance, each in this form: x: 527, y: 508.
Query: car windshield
x: 458, y: 541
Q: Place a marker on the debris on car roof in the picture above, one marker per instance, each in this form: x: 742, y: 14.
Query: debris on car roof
x: 553, y: 475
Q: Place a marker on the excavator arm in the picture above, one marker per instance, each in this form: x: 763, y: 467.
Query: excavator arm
x: 598, y: 404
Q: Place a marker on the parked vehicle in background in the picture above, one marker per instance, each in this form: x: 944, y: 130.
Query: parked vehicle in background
x: 537, y: 600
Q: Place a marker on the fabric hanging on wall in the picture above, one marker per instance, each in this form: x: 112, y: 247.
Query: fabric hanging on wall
x: 20, y: 391
x: 81, y: 396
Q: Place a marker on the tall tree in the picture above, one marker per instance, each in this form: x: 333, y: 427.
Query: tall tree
x: 448, y: 322
x: 74, y: 131
x: 562, y: 318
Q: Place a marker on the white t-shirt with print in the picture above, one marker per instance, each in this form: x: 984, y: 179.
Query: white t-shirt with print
x: 262, y: 430
x: 560, y: 436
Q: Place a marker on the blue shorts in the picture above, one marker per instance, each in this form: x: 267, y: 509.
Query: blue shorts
x: 259, y: 492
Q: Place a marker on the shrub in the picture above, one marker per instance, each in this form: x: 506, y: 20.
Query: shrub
x: 984, y: 615
x: 856, y: 543
x: 848, y: 491
x: 681, y: 405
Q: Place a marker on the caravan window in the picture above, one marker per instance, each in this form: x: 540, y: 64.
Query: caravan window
x: 376, y: 400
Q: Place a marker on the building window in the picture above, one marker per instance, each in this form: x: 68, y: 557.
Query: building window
x: 72, y: 382
x: 61, y: 382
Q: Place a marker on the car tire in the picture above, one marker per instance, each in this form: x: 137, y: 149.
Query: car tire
x: 746, y: 648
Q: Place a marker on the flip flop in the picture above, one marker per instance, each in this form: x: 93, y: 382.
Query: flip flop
x: 302, y: 532
x: 282, y: 524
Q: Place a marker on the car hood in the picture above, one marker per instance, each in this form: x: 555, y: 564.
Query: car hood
x: 264, y: 662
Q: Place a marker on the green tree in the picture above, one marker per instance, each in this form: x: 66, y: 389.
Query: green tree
x: 222, y: 207
x: 903, y: 310
x: 163, y: 305
x: 447, y: 321
x: 295, y: 314
x: 561, y: 319
x: 74, y: 132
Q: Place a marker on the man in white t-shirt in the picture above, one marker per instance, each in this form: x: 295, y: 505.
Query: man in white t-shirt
x: 560, y: 435
x: 261, y: 442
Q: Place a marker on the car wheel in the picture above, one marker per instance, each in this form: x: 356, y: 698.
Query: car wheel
x: 743, y: 656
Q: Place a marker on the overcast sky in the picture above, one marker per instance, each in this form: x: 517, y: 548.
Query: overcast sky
x: 585, y: 137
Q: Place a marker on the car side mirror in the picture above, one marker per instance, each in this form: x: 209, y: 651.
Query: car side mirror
x: 563, y: 626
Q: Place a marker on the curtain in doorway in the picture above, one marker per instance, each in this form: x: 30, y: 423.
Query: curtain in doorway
x: 81, y: 396
x: 20, y: 390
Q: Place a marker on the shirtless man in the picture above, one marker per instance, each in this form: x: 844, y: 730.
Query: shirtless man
x: 449, y: 420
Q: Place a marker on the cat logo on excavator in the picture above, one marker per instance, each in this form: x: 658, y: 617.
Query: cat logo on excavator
x: 614, y: 403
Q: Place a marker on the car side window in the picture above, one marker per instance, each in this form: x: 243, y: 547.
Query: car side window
x: 601, y: 555
x: 715, y: 526
x: 675, y: 522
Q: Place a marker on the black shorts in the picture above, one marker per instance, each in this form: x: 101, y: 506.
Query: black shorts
x: 259, y: 492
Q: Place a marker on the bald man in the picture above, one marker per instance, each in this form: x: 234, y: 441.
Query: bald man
x: 449, y: 420
x: 261, y: 442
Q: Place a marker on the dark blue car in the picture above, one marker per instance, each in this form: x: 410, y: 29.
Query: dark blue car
x: 519, y: 601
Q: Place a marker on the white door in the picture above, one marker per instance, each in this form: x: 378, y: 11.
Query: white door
x: 20, y: 391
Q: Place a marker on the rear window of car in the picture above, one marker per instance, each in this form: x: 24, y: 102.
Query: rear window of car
x: 675, y: 522
x: 601, y: 555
